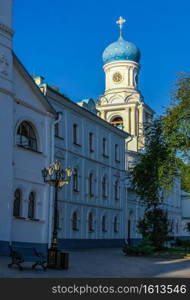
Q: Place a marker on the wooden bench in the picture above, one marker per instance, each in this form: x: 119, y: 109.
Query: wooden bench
x: 26, y: 254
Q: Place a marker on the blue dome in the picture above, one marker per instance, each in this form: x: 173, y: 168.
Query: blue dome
x: 121, y: 50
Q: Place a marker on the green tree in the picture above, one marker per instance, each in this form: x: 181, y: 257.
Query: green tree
x: 166, y: 152
x: 152, y: 176
x: 155, y: 227
x: 176, y: 122
x: 156, y: 167
x: 176, y: 126
x: 185, y: 175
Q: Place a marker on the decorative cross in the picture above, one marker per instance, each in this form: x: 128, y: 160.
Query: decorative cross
x: 121, y: 21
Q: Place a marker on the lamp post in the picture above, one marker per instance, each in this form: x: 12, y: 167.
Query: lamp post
x: 56, y: 176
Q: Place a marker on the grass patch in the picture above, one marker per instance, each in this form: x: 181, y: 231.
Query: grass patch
x: 172, y: 252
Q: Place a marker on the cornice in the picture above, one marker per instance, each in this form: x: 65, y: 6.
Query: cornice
x: 4, y: 91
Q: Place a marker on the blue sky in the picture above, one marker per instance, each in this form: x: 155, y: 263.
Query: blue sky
x: 64, y: 40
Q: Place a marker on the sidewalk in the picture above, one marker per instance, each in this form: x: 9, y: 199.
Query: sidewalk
x: 93, y: 263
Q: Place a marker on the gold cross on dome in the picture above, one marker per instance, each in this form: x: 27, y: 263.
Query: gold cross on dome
x: 121, y: 21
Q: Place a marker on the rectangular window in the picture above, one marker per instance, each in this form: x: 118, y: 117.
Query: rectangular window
x: 75, y: 181
x: 104, y: 147
x: 91, y: 142
x: 116, y: 190
x: 75, y: 133
x: 117, y: 153
x: 91, y: 185
x: 57, y: 129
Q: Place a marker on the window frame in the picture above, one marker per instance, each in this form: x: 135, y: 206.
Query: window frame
x: 91, y: 222
x: 76, y: 134
x: 18, y: 200
x: 90, y: 185
x: 30, y: 136
x: 104, y: 224
x: 116, y: 224
x: 91, y: 140
x: 117, y: 152
x: 105, y: 147
x: 32, y: 201
x: 75, y: 221
x: 75, y: 180
x: 104, y: 187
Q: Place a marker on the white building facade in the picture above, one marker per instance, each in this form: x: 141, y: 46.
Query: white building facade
x: 42, y: 125
x: 93, y: 207
x: 42, y: 128
x: 185, y: 198
x: 27, y: 123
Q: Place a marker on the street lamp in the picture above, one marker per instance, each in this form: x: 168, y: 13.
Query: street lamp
x: 56, y: 176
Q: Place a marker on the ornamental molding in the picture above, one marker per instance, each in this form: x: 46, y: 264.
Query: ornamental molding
x: 6, y: 29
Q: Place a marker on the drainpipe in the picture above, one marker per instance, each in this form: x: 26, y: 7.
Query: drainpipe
x: 52, y: 150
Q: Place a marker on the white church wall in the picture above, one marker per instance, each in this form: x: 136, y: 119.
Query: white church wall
x: 78, y: 156
x: 185, y: 198
x: 6, y: 122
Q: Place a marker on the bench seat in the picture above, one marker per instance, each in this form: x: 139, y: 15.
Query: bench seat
x: 27, y: 254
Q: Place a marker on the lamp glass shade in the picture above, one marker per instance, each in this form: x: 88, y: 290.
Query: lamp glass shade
x: 69, y: 172
x: 50, y: 170
x: 57, y: 165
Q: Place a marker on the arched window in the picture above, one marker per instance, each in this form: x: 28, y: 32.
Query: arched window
x: 17, y: 203
x: 75, y: 180
x: 90, y: 222
x: 31, y: 206
x: 91, y: 188
x: 104, y: 224
x: 116, y: 190
x: 26, y: 136
x: 75, y: 221
x: 117, y: 122
x: 116, y: 224
x: 104, y: 187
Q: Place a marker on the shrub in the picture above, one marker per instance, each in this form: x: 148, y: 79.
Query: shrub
x: 144, y: 248
x: 155, y: 226
x: 182, y: 243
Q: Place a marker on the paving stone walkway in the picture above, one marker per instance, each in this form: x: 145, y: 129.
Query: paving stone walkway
x: 104, y: 263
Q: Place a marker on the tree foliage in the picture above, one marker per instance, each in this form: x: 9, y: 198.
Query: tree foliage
x: 167, y: 149
x: 185, y: 175
x: 188, y: 227
x: 177, y: 119
x: 156, y: 167
x: 155, y: 227
x: 176, y: 125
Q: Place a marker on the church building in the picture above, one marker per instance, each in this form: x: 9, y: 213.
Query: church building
x: 123, y: 105
x: 42, y: 126
x: 99, y: 140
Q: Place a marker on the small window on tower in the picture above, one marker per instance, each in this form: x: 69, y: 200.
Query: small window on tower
x: 117, y: 122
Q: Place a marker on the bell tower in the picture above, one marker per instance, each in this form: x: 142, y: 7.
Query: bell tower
x: 122, y: 103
